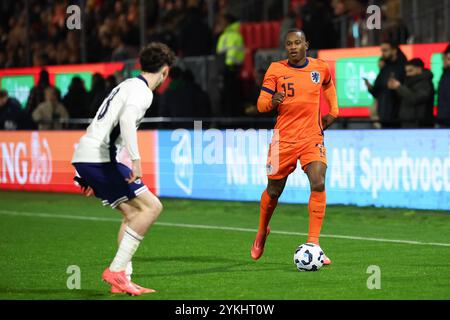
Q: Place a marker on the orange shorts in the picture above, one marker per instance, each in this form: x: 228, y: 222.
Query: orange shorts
x: 283, y: 156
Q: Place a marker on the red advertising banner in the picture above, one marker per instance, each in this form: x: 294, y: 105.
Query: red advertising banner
x: 41, y: 160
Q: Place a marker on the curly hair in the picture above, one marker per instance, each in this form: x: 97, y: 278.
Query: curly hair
x: 154, y: 56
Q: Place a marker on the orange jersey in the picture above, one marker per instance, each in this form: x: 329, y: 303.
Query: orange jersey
x: 299, y: 114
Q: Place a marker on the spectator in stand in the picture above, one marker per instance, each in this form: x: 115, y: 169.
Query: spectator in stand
x: 177, y: 100
x: 231, y: 44
x: 374, y: 109
x: 195, y: 37
x: 111, y: 83
x: 11, y: 114
x: 48, y: 114
x: 388, y: 100
x: 443, y: 116
x: 76, y: 99
x: 97, y: 94
x: 317, y: 17
x: 416, y: 96
x: 201, y: 101
x: 393, y: 25
x: 37, y: 93
x: 121, y: 51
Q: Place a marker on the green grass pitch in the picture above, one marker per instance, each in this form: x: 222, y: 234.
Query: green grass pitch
x: 201, y: 250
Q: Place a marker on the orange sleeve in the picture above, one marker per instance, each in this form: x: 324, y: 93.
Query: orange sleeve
x: 268, y: 89
x: 329, y: 91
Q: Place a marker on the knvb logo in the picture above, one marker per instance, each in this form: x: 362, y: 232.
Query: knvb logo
x: 73, y: 21
x: 374, y: 18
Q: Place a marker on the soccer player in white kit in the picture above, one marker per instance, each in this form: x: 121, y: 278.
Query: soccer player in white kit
x: 115, y: 126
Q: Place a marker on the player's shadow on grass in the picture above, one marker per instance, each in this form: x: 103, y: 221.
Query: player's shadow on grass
x: 227, y: 265
x: 51, y: 293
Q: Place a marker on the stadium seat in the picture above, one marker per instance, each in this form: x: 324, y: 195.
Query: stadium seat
x: 267, y: 35
x: 257, y: 35
x: 275, y: 33
x: 246, y: 34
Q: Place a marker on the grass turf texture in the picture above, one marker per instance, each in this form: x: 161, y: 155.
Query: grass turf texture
x: 199, y: 263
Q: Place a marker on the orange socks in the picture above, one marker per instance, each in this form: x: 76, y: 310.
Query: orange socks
x: 267, y: 206
x: 317, y: 205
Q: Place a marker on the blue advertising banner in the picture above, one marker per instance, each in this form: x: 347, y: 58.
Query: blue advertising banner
x: 382, y: 168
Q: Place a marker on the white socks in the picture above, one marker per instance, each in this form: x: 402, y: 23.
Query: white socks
x: 127, y: 248
x: 129, y: 270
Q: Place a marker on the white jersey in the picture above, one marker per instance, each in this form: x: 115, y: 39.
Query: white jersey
x: 115, y: 124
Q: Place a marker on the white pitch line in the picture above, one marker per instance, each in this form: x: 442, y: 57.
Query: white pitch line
x: 208, y: 227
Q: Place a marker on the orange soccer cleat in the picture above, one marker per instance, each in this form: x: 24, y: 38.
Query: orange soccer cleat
x: 121, y: 282
x: 258, y: 245
x: 143, y: 290
x: 326, y: 261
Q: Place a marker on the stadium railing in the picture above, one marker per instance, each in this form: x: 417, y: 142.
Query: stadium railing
x: 220, y: 123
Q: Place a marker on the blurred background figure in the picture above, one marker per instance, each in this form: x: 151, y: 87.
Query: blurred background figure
x: 97, y: 94
x: 195, y: 36
x: 76, y: 99
x: 176, y: 101
x: 443, y: 116
x: 201, y: 100
x: 49, y: 114
x: 374, y: 109
x: 111, y: 83
x: 37, y: 93
x: 387, y: 100
x: 231, y: 44
x: 317, y: 18
x: 416, y: 96
x: 11, y: 115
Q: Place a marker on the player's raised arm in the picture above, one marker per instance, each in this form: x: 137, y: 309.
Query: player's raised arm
x: 269, y: 99
x: 128, y: 131
x: 329, y: 91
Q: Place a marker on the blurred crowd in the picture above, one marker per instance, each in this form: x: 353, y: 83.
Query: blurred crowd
x: 112, y: 28
x: 112, y: 31
x: 46, y: 109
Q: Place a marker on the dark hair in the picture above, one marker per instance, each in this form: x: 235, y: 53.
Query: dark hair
x: 393, y: 44
x: 154, y: 56
x: 294, y: 30
x: 416, y: 62
x: 76, y: 85
x: 3, y: 93
x: 230, y: 18
x: 44, y: 78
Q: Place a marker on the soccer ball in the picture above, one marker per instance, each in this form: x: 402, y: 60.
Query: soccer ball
x: 308, y: 257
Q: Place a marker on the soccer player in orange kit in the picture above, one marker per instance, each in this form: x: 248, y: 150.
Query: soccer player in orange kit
x: 292, y: 87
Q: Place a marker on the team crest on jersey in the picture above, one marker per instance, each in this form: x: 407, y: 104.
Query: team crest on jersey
x: 315, y: 77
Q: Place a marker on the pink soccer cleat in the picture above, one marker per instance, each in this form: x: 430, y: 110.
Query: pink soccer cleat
x: 258, y: 245
x: 120, y: 281
x: 143, y: 290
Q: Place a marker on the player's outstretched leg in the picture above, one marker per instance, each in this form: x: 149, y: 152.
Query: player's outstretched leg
x: 317, y: 202
x: 269, y: 201
x: 140, y: 213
